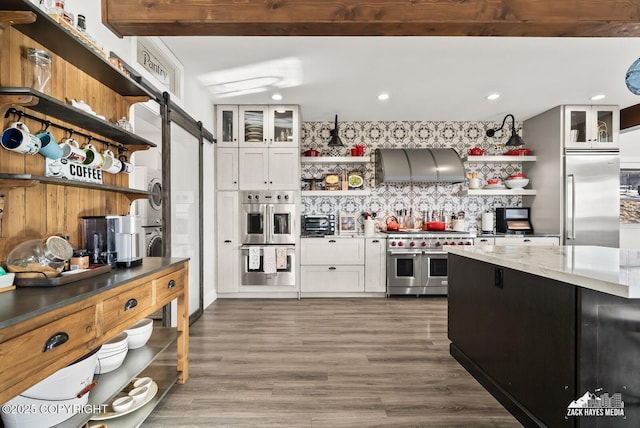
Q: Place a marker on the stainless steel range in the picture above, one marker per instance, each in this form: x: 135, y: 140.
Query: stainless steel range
x: 417, y: 262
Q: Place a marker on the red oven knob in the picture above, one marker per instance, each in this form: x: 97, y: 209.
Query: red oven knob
x: 424, y: 243
x: 445, y: 243
x: 468, y: 243
x: 460, y: 243
x: 393, y: 243
x: 439, y: 244
x: 401, y: 244
x: 413, y: 244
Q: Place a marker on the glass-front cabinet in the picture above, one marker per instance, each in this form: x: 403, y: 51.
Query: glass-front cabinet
x: 275, y: 126
x: 592, y: 127
x: 227, y: 125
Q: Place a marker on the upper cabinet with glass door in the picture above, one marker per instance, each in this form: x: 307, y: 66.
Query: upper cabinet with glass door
x: 269, y: 126
x: 227, y: 128
x: 591, y: 127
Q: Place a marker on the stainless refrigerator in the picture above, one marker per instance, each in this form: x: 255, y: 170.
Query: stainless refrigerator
x: 592, y: 198
x: 577, y: 191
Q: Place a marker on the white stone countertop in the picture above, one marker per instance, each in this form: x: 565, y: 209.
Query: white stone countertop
x: 609, y: 270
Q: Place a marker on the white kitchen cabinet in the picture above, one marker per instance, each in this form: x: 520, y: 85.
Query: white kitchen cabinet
x: 228, y: 242
x: 591, y: 127
x: 227, y: 125
x: 334, y: 278
x: 375, y: 265
x: 269, y: 169
x: 269, y: 126
x: 332, y: 251
x: 227, y: 168
x: 527, y: 240
x: 484, y: 241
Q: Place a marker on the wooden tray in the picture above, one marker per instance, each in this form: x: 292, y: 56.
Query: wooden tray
x: 62, y: 279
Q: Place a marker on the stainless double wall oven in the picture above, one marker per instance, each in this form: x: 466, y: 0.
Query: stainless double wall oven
x: 417, y: 263
x: 269, y: 232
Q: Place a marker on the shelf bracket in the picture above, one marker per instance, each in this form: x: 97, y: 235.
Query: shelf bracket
x: 8, y: 101
x: 12, y: 17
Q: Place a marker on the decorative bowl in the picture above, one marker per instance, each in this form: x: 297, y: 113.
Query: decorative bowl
x: 516, y: 183
x: 139, y: 393
x: 140, y: 333
x: 122, y: 404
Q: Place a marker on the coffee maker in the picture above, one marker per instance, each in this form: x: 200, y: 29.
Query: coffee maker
x: 515, y: 220
x: 114, y: 240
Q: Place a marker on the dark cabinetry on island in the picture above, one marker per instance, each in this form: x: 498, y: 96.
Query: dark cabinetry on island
x: 538, y: 344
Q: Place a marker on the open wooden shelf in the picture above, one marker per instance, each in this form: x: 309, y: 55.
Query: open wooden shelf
x: 42, y: 103
x: 28, y: 180
x: 55, y: 38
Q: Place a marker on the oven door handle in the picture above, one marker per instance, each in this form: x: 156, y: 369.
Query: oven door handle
x: 435, y: 253
x: 288, y: 247
x: 409, y: 253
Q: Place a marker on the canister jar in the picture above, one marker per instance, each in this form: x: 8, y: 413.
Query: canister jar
x: 37, y: 70
x: 36, y: 257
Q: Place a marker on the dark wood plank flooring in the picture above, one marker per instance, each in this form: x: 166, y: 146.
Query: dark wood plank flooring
x: 326, y: 363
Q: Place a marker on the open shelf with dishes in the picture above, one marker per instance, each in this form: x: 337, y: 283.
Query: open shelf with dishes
x: 498, y: 192
x: 363, y: 192
x: 335, y: 159
x: 499, y: 158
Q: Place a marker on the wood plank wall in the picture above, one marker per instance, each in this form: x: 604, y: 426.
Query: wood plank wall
x: 45, y: 210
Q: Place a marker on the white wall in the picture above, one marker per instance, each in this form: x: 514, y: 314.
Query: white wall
x: 194, y: 101
x: 630, y: 158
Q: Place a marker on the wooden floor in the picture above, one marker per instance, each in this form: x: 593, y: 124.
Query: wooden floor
x: 326, y: 363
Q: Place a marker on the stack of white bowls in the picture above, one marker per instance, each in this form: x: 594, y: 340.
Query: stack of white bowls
x: 112, y: 354
x: 139, y: 333
x: 59, y: 391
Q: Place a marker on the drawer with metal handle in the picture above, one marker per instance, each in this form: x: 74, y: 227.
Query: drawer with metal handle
x: 118, y: 310
x: 168, y: 286
x: 55, y: 343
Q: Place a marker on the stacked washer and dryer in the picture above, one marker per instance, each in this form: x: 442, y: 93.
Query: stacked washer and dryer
x: 150, y: 209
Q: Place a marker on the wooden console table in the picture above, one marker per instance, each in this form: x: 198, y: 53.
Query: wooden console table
x: 88, y: 313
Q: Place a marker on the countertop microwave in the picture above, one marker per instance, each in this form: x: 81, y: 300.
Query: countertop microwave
x: 318, y: 225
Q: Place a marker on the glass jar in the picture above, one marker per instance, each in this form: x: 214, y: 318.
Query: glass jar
x: 37, y: 70
x: 37, y: 257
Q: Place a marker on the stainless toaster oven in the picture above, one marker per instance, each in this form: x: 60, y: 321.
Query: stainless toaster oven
x: 318, y: 225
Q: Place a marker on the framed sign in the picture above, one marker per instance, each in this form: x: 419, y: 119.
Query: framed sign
x: 62, y: 168
x: 348, y: 224
x: 157, y: 63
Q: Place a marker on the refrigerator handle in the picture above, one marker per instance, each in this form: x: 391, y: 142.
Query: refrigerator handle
x: 571, y: 184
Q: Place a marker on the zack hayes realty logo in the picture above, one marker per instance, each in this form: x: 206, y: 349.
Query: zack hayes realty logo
x: 591, y: 404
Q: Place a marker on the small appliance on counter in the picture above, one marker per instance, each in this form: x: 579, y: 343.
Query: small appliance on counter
x: 113, y: 240
x: 514, y: 220
x: 318, y: 225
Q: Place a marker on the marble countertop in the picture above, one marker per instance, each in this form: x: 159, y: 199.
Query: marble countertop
x: 609, y: 270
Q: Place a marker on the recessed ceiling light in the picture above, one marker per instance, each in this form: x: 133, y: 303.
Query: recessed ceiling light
x: 383, y: 97
x: 492, y: 97
x: 598, y: 97
x: 276, y: 97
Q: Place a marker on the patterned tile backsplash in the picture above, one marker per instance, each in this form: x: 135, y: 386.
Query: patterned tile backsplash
x: 385, y: 200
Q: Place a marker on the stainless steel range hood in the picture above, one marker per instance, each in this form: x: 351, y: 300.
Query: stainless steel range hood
x: 418, y: 166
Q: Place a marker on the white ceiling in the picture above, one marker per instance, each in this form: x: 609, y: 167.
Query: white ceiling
x: 427, y: 78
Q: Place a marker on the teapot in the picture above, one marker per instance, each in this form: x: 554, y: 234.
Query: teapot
x: 392, y: 224
x: 476, y: 151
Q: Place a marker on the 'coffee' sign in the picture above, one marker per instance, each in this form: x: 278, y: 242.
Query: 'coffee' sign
x: 62, y: 168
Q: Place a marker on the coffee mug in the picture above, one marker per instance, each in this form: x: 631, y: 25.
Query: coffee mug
x: 71, y: 151
x: 94, y: 159
x: 48, y: 147
x: 127, y: 167
x: 112, y: 165
x: 17, y: 138
x: 474, y: 183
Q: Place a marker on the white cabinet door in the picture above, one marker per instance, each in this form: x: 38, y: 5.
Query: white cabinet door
x: 284, y: 126
x: 332, y: 251
x: 226, y: 126
x: 484, y: 241
x: 227, y: 168
x: 284, y: 170
x: 375, y: 265
x: 253, y: 169
x: 606, y: 127
x: 228, y: 242
x: 340, y: 278
x: 528, y: 240
x: 254, y: 126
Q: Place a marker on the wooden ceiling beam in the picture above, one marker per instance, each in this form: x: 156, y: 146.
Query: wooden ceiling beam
x: 524, y: 18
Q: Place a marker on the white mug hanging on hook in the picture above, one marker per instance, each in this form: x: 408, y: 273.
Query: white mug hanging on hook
x: 18, y: 138
x: 127, y: 167
x: 71, y: 151
x: 94, y: 158
x: 112, y: 165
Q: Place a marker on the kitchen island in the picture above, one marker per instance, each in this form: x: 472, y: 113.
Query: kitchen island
x: 551, y: 332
